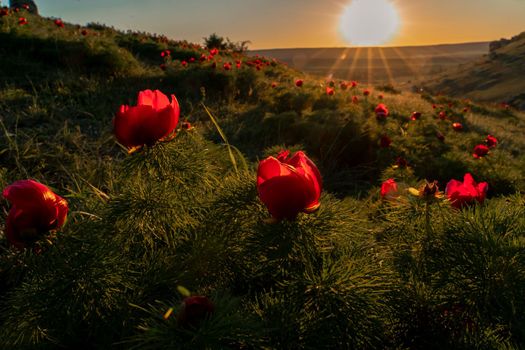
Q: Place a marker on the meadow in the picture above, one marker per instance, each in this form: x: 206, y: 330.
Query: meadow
x: 407, y: 66
x: 173, y: 240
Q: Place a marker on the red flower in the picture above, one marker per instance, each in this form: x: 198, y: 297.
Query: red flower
x: 491, y: 141
x: 288, y: 186
x: 4, y: 12
x: 274, y: 85
x: 25, y: 7
x: 84, y: 32
x: 443, y: 115
x: 457, y: 126
x: 466, y: 192
x: 440, y: 136
x: 343, y: 85
x: 192, y: 59
x: 184, y: 63
x: 35, y: 210
x: 22, y: 21
x: 465, y: 110
x: 299, y: 82
x: 59, y: 23
x: 415, y: 115
x: 162, y: 66
x: 153, y: 119
x: 353, y: 84
x: 366, y: 92
x: 330, y: 91
x: 380, y: 96
x: 214, y: 52
x: 389, y: 189
x: 381, y: 111
x: 227, y: 66
x: 480, y: 151
x: 385, y: 141
x: 194, y: 310
x: 355, y: 99
x: 434, y: 106
x: 186, y: 125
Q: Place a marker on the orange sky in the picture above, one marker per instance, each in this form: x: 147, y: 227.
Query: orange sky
x: 295, y: 23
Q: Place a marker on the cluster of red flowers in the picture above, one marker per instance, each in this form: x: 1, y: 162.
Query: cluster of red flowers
x: 459, y: 194
x: 482, y: 150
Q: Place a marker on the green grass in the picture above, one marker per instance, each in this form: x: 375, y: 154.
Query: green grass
x: 358, y: 273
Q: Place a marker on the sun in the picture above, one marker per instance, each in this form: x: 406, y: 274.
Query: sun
x: 369, y: 22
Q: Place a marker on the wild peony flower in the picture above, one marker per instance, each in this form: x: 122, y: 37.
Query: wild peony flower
x: 343, y: 85
x: 381, y: 111
x: 194, y: 310
x: 457, y: 126
x: 22, y: 21
x: 288, y: 186
x: 227, y: 66
x: 366, y: 92
x: 274, y: 85
x: 353, y: 84
x: 467, y: 192
x: 440, y: 136
x: 214, y: 52
x: 389, y: 189
x: 443, y: 115
x: 491, y: 141
x: 4, y: 12
x: 415, y: 115
x: 59, y: 23
x: 35, y: 210
x: 184, y: 63
x: 84, y: 32
x: 355, y: 99
x: 153, y: 119
x: 480, y: 151
x: 299, y: 82
x: 330, y: 91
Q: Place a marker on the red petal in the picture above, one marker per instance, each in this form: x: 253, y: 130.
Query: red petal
x: 284, y: 196
x: 270, y: 168
x: 307, y: 168
x: 156, y: 99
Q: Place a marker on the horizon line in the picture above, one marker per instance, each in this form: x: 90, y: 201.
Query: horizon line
x: 373, y: 47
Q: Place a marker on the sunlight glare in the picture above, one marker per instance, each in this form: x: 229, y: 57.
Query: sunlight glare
x: 369, y: 22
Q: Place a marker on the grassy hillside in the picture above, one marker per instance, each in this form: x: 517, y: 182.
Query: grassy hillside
x: 183, y: 216
x: 497, y: 77
x: 375, y: 65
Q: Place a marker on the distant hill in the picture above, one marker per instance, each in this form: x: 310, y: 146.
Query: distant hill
x: 379, y: 65
x: 497, y: 77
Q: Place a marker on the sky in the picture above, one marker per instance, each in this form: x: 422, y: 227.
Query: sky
x: 295, y: 23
